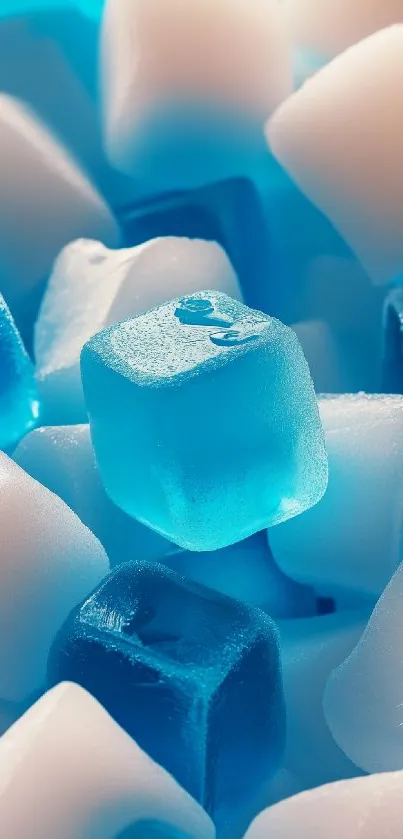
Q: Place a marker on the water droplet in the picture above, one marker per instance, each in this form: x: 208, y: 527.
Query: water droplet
x: 238, y: 335
x: 194, y: 304
x: 195, y: 311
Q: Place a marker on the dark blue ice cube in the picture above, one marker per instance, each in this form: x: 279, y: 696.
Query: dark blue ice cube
x: 192, y: 675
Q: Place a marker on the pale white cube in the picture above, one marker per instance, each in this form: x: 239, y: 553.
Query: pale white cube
x: 340, y: 136
x: 49, y: 562
x: 352, y: 539
x: 67, y: 770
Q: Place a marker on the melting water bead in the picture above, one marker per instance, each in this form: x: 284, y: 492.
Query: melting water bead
x: 255, y: 453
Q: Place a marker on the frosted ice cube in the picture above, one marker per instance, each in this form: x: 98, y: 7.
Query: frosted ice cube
x: 363, y: 699
x: 68, y: 770
x: 92, y: 287
x: 46, y: 201
x: 182, y: 82
x: 358, y: 808
x: 339, y: 137
x: 49, y: 562
x: 352, y: 539
x: 310, y: 649
x: 62, y: 459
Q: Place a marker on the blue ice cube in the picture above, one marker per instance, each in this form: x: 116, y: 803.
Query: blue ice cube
x: 204, y: 420
x: 18, y: 400
x: 392, y: 349
x: 192, y: 675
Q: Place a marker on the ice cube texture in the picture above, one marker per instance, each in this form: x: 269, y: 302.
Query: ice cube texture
x: 19, y: 407
x: 192, y: 675
x: 320, y: 132
x: 213, y: 430
x: 352, y: 540
x: 187, y: 87
x: 68, y: 770
x: 363, y: 699
x: 92, y: 287
x: 49, y: 562
x: 63, y: 460
x: 360, y: 808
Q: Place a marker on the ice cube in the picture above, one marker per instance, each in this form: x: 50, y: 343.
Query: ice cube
x: 68, y: 770
x: 192, y: 675
x: 19, y: 406
x: 363, y: 699
x: 358, y: 808
x: 352, y: 539
x: 187, y: 87
x: 339, y: 137
x: 310, y: 649
x: 46, y: 200
x: 239, y: 380
x: 92, y: 287
x: 62, y: 459
x: 49, y: 562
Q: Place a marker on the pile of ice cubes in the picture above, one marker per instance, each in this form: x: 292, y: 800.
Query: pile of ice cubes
x: 201, y: 419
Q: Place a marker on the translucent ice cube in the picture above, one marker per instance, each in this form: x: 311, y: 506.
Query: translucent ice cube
x: 319, y: 135
x: 46, y: 201
x: 68, y: 770
x: 187, y: 86
x: 310, y: 649
x: 19, y: 407
x: 49, y: 562
x: 62, y: 459
x: 192, y: 675
x: 352, y: 540
x: 239, y: 380
x: 358, y: 808
x: 92, y: 287
x: 363, y: 699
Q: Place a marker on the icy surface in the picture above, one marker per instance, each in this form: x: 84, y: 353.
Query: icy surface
x: 192, y: 675
x: 358, y: 808
x: 352, y: 539
x: 186, y: 84
x: 239, y: 380
x: 18, y: 398
x: 320, y: 132
x: 92, y: 287
x: 46, y: 201
x: 62, y: 459
x: 68, y: 770
x: 363, y: 700
x: 310, y: 649
x: 49, y: 562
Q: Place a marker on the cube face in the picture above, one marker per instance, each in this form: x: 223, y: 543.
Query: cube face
x: 19, y: 407
x: 214, y: 430
x: 176, y: 665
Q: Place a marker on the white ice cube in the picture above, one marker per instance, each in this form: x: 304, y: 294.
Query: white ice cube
x: 352, y: 539
x: 340, y: 137
x: 49, y: 562
x: 327, y: 27
x: 45, y: 200
x: 356, y: 808
x: 92, y: 287
x: 67, y: 770
x: 62, y: 459
x: 363, y: 701
x: 310, y: 649
x: 219, y: 56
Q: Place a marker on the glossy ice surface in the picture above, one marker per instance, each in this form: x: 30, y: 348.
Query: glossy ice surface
x: 19, y: 408
x: 192, y: 675
x: 239, y: 380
